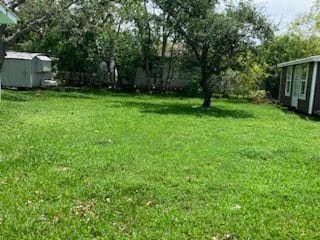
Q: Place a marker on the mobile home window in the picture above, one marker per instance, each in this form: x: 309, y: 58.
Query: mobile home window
x: 304, y: 82
x: 288, y: 81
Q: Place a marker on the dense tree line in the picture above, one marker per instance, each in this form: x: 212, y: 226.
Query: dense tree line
x: 229, y: 46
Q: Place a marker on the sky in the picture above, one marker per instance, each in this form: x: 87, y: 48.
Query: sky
x: 284, y: 11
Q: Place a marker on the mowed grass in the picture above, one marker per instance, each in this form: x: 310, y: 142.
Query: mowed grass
x: 115, y: 166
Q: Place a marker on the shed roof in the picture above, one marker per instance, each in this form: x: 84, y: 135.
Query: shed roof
x: 300, y: 61
x: 22, y: 55
x: 44, y: 58
x: 7, y: 16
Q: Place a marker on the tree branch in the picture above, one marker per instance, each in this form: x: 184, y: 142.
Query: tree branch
x: 16, y: 4
x: 27, y: 28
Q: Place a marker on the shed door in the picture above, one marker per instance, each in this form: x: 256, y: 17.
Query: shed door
x: 15, y: 73
x: 296, y: 87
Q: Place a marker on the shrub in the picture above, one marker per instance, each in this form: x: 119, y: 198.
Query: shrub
x: 260, y: 97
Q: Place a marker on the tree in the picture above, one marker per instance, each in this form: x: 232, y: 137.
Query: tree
x: 307, y: 24
x: 90, y: 36
x: 33, y: 14
x: 300, y: 41
x: 217, y: 34
x: 283, y: 48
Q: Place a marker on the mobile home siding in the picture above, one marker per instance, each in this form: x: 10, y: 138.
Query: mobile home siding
x: 316, y: 105
x: 312, y: 103
x: 303, y: 105
x: 284, y: 100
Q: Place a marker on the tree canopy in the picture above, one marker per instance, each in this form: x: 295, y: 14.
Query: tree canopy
x: 215, y: 40
x: 218, y: 34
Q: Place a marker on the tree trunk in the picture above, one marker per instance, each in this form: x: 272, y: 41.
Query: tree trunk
x: 147, y: 46
x: 165, y: 71
x: 206, y: 89
x: 171, y: 67
x: 207, y: 101
x: 163, y: 62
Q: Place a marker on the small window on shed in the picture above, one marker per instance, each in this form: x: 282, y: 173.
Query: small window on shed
x: 289, y: 81
x: 304, y: 82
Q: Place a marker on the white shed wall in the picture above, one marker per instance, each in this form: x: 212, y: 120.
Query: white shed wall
x: 16, y: 73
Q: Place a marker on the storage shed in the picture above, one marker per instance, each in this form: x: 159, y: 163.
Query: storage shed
x: 300, y: 85
x: 26, y: 70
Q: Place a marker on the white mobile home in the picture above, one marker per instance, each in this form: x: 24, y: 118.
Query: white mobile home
x: 26, y: 70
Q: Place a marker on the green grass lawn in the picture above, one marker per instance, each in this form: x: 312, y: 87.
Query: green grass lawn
x: 115, y: 166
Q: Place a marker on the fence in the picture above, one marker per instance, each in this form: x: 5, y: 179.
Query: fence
x: 81, y: 79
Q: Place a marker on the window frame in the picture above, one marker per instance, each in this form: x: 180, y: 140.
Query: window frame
x: 304, y: 67
x: 289, y: 78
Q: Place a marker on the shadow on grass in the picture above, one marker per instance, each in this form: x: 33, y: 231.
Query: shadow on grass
x: 33, y: 94
x: 301, y: 115
x: 74, y: 95
x: 87, y: 93
x: 16, y: 97
x: 96, y: 93
x: 184, y: 109
x: 146, y: 106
